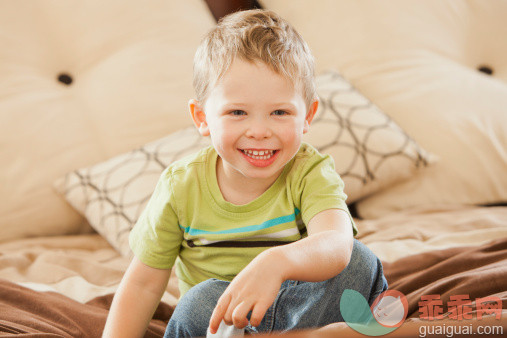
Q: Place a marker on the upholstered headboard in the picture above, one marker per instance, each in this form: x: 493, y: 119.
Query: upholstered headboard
x: 81, y: 81
x: 439, y: 69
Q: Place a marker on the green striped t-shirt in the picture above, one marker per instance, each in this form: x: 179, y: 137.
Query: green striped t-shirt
x: 188, y: 223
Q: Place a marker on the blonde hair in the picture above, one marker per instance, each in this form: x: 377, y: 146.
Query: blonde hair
x: 254, y: 35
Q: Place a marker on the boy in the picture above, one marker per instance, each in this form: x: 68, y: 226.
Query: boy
x: 258, y: 222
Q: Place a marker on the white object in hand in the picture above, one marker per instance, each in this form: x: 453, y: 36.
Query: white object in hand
x: 225, y: 330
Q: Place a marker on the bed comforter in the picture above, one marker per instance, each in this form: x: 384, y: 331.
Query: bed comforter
x: 63, y: 286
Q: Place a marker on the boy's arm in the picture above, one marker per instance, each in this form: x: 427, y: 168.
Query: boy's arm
x: 136, y: 300
x: 322, y: 255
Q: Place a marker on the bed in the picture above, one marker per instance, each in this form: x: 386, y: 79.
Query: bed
x: 93, y: 102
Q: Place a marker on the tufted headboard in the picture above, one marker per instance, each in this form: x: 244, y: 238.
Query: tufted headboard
x: 81, y: 81
x: 439, y: 69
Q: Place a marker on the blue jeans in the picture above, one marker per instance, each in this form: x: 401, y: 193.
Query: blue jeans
x: 298, y: 305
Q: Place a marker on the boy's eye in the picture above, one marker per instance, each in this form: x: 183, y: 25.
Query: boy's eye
x: 279, y: 112
x: 237, y: 112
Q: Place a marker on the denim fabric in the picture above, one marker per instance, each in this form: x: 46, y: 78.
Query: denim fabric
x: 298, y: 305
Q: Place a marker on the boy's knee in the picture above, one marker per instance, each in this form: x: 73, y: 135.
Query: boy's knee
x: 365, y: 265
x: 204, y: 294
x: 194, y: 309
x: 363, y: 257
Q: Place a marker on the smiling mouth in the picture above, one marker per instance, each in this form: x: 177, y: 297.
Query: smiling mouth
x: 259, y: 154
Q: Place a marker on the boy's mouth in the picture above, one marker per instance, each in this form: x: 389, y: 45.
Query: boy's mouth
x: 259, y: 154
x: 260, y: 158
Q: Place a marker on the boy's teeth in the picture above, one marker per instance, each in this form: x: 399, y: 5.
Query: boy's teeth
x: 260, y: 155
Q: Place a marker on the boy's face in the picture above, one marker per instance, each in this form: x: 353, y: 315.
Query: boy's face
x: 256, y: 119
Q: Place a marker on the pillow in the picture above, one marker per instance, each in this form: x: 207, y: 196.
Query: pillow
x: 113, y: 193
x: 437, y: 68
x: 369, y: 149
x: 80, y: 82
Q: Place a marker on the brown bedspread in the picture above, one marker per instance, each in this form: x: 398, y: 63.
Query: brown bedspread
x: 29, y: 313
x: 476, y: 271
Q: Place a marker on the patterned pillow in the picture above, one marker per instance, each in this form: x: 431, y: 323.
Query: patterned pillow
x: 112, y: 194
x: 369, y: 149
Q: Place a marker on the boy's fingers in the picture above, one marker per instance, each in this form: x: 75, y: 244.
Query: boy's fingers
x: 218, y: 313
x: 258, y: 313
x: 239, y: 314
x: 228, y: 314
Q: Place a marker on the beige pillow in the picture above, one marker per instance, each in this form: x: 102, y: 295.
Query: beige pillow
x: 369, y: 149
x: 418, y: 61
x: 81, y: 81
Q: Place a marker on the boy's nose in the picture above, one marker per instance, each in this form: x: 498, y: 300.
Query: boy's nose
x: 258, y: 130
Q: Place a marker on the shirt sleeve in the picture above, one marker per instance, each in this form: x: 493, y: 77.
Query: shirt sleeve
x: 320, y: 188
x: 156, y: 237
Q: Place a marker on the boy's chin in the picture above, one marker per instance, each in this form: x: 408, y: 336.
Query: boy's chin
x: 263, y: 173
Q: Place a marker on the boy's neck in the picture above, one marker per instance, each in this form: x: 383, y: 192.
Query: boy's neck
x: 237, y: 189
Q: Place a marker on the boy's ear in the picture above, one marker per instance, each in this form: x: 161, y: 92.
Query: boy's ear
x: 310, y: 115
x: 198, y: 116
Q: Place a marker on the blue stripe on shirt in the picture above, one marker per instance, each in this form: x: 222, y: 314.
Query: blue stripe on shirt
x: 264, y: 225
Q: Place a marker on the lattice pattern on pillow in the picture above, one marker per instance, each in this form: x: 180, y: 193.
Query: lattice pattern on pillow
x: 112, y: 194
x: 369, y: 149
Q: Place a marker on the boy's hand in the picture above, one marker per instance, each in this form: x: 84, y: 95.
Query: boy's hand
x: 253, y: 289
